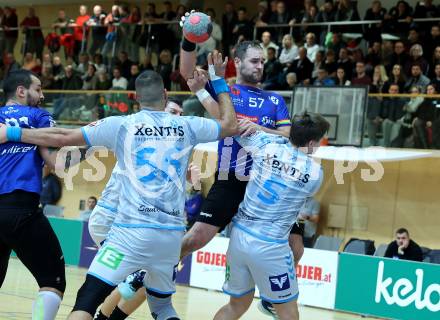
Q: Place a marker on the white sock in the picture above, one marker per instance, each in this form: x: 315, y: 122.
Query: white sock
x: 46, y: 306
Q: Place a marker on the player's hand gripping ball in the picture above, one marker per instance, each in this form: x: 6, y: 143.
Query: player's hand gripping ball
x: 197, y: 27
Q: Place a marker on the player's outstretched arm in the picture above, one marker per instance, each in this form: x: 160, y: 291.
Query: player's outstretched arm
x: 187, y: 62
x: 45, y: 137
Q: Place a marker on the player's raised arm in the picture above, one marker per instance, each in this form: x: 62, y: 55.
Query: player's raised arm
x: 187, y: 62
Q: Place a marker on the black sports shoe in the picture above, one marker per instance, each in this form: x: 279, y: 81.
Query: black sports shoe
x: 131, y: 284
x: 267, y: 308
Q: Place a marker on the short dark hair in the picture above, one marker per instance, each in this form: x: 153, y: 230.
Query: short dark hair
x: 402, y: 230
x: 16, y: 79
x: 94, y: 198
x: 149, y: 88
x: 242, y: 47
x: 308, y: 127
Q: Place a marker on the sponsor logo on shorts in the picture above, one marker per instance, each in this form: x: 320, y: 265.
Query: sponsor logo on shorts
x: 110, y: 257
x: 279, y: 283
x: 204, y: 214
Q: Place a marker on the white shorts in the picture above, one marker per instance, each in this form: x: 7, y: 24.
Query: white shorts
x: 127, y: 250
x: 269, y: 265
x: 100, y: 222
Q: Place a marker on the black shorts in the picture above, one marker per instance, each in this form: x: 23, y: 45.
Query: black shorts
x: 222, y: 201
x: 298, y: 228
x: 24, y: 229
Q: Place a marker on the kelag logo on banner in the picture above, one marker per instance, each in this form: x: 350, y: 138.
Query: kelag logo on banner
x: 388, y: 288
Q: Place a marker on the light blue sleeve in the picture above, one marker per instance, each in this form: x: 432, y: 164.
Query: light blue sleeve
x: 257, y: 140
x: 204, y: 130
x: 103, y: 132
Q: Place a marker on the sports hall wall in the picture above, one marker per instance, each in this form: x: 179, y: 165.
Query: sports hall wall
x: 408, y: 195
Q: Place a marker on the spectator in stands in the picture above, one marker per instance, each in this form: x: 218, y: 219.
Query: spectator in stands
x: 262, y: 16
x: 436, y: 80
x: 361, y: 77
x: 47, y: 61
x: 168, y: 14
x: 345, y: 63
x: 125, y: 64
x: 312, y: 17
x: 78, y: 32
x: 134, y: 19
x: 414, y: 37
x: 310, y: 214
x: 58, y: 73
x: 272, y: 70
x: 229, y: 20
x: 83, y: 64
x: 146, y: 63
x: 134, y: 73
x: 323, y: 79
x: 347, y: 11
x: 243, y: 29
x: 290, y: 81
x: 374, y: 104
x: 10, y: 64
x: 302, y: 67
x: 165, y: 67
x: 176, y: 29
x: 216, y: 33
x: 391, y: 112
x: 99, y: 30
x: 403, y: 247
x: 426, y: 9
x: 373, y: 32
x: 51, y: 188
x: 110, y: 22
x: 374, y: 56
x: 10, y: 21
x: 289, y: 51
x: 341, y: 77
x: 91, y: 204
x: 434, y: 61
x: 46, y: 78
x: 327, y: 13
x: 103, y: 83
x: 99, y: 63
x: 396, y: 77
x: 90, y: 78
x: 71, y: 81
x: 119, y: 82
x: 31, y: 63
x: 417, y: 78
x: 424, y: 117
x: 311, y: 46
x: 399, y: 56
x: 319, y: 62
x: 34, y: 40
x: 267, y: 43
x: 330, y: 63
x: 336, y: 44
x: 432, y: 42
x: 280, y: 16
x: 402, y: 11
x: 61, y: 23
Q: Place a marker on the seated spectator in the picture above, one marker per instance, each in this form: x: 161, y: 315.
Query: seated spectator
x: 165, y: 67
x: 424, y: 117
x: 47, y: 61
x: 243, y: 29
x: 91, y: 204
x: 46, y: 78
x: 347, y: 11
x: 311, y: 46
x: 272, y: 70
x: 399, y: 56
x: 10, y: 64
x: 119, y: 82
x: 361, y: 77
x: 374, y: 56
x: 345, y: 63
x: 396, y: 77
x: 323, y: 79
x: 280, y: 16
x: 319, y: 62
x: 134, y: 73
x: 391, y: 111
x: 435, y: 61
x: 290, y: 81
x: 402, y: 11
x: 416, y: 57
x: 311, y: 16
x: 83, y: 64
x: 310, y: 214
x: 336, y: 43
x: 436, y: 80
x: 414, y: 37
x: 90, y: 78
x: 289, y: 51
x: 103, y: 83
x: 404, y: 248
x: 417, y: 78
x: 267, y: 43
x: 262, y: 16
x: 51, y: 188
x: 302, y: 67
x: 71, y: 81
x: 125, y: 64
x: 330, y: 63
x: 373, y: 32
x: 327, y: 13
x: 98, y: 60
x: 431, y: 44
x: 146, y: 63
x: 426, y: 9
x: 31, y: 63
x: 341, y: 79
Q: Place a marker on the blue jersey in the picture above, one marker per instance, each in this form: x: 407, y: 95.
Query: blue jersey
x: 21, y: 163
x: 267, y: 109
x: 282, y: 178
x: 153, y: 150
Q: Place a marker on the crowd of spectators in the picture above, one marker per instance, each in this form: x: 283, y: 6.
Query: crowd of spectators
x: 395, y: 55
